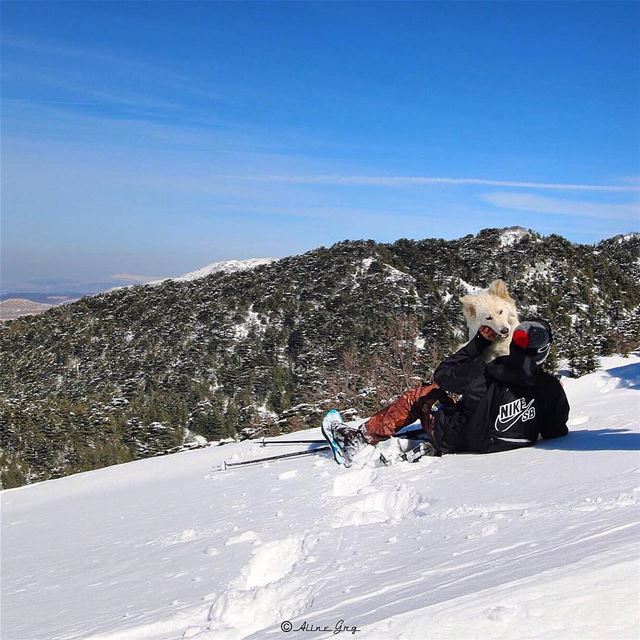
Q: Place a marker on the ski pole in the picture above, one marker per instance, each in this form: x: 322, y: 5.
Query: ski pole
x: 226, y: 465
x: 264, y: 442
x: 406, y: 434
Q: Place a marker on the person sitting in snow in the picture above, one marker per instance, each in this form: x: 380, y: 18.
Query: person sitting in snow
x: 505, y: 404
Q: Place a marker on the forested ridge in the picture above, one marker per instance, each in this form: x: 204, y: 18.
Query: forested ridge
x: 141, y: 370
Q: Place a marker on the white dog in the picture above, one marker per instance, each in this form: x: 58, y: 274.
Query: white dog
x: 496, y: 309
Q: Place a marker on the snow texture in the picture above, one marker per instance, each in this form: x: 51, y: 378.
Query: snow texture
x: 512, y: 236
x: 469, y: 289
x: 524, y: 545
x: 227, y: 266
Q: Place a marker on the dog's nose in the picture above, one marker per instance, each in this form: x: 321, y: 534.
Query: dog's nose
x: 504, y: 331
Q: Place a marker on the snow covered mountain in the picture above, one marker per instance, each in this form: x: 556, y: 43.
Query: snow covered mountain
x: 226, y: 266
x: 536, y: 544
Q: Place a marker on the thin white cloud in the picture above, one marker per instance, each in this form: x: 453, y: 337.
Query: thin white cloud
x: 133, y: 63
x: 557, y: 206
x: 70, y: 51
x: 132, y: 277
x: 630, y: 179
x: 392, y: 181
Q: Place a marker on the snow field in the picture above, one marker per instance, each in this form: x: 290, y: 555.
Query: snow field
x: 531, y: 544
x: 561, y: 601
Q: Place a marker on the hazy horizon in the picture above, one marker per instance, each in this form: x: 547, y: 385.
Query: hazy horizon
x: 43, y: 289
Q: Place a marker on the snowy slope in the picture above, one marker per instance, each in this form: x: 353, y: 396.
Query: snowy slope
x: 536, y: 543
x: 226, y: 266
x: 513, y: 235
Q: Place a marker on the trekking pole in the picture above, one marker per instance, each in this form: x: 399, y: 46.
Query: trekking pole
x: 225, y: 465
x: 405, y: 434
x: 265, y: 442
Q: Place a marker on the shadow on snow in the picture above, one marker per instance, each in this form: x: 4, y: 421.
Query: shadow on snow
x: 595, y: 440
x: 628, y: 375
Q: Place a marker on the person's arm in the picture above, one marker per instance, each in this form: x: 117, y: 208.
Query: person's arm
x: 456, y: 372
x: 554, y: 420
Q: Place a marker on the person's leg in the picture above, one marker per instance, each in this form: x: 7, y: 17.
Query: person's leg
x: 412, y: 405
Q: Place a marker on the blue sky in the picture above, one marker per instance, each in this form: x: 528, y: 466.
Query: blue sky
x: 148, y: 139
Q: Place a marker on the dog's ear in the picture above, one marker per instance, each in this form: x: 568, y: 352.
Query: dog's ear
x: 468, y: 306
x: 499, y: 288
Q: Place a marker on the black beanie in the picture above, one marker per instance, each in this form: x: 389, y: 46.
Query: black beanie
x: 533, y: 338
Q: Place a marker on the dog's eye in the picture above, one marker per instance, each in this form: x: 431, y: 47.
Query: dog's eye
x: 501, y: 311
x: 489, y: 317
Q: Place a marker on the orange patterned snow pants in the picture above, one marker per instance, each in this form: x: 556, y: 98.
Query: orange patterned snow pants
x: 412, y: 405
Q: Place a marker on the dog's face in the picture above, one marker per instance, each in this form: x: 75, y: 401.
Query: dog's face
x: 494, y: 308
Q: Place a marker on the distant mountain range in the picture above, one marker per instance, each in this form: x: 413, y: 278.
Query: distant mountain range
x: 44, y: 298
x: 23, y: 303
x: 140, y: 370
x: 16, y: 307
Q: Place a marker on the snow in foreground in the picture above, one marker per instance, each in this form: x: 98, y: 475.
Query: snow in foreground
x: 538, y: 543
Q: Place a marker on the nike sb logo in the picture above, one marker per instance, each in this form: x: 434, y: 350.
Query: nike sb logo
x: 511, y: 412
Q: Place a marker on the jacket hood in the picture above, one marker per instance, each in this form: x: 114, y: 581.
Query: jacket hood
x: 516, y: 369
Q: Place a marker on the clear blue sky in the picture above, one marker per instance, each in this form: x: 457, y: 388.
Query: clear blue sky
x: 149, y: 139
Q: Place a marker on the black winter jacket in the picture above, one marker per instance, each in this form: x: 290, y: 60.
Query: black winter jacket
x: 505, y: 404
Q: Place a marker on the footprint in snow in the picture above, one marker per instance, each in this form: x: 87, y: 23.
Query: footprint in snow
x: 247, y: 536
x: 387, y: 505
x: 175, y: 538
x: 488, y: 530
x: 270, y: 588
x: 353, y: 482
x: 500, y: 613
